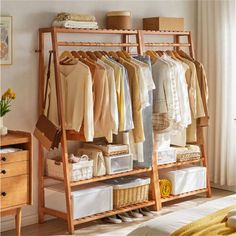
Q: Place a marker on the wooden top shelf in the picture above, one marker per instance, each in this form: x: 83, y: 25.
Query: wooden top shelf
x: 86, y: 31
x: 15, y: 137
x: 111, y: 31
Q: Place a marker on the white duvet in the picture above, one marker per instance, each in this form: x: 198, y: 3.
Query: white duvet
x: 167, y: 224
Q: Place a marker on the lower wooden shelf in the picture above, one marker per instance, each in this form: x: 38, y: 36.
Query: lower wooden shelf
x: 164, y: 166
x: 101, y: 215
x: 113, y: 212
x: 174, y: 197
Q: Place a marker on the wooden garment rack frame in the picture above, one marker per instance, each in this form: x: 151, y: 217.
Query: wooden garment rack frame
x: 155, y: 200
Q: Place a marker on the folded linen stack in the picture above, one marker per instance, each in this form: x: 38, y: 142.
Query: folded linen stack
x: 69, y: 20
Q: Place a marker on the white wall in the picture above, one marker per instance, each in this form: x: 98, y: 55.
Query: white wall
x: 28, y: 16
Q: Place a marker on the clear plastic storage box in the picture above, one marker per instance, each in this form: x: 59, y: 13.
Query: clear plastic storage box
x: 119, y: 163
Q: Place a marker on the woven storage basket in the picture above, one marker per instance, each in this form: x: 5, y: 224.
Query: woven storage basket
x: 78, y: 171
x: 109, y: 149
x: 188, y: 156
x: 130, y: 190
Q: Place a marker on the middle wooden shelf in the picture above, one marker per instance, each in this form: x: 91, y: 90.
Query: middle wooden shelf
x: 105, y: 177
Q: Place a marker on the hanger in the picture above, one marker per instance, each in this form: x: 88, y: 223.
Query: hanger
x: 82, y: 54
x: 65, y: 54
x: 126, y: 54
x: 92, y: 55
x: 160, y: 53
x: 67, y: 58
x: 98, y: 54
x: 121, y: 54
x: 104, y: 53
x: 184, y: 54
x: 113, y: 55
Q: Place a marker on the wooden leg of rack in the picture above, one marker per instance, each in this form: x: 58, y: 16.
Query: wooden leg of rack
x: 61, y: 116
x: 205, y: 163
x: 40, y: 148
x: 18, y: 221
x: 155, y: 187
x: 40, y: 185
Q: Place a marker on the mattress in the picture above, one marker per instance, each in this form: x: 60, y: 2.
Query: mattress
x: 167, y: 224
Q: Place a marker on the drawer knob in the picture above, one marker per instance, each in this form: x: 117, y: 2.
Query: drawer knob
x: 3, y: 194
x: 3, y: 172
x: 3, y: 158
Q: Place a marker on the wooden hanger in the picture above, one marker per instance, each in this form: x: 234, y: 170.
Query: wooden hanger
x: 65, y: 54
x: 160, y: 53
x: 104, y: 53
x: 67, y: 58
x: 82, y: 54
x: 126, y: 54
x: 184, y: 54
x: 113, y: 55
x: 121, y: 54
x: 92, y: 55
x: 98, y: 54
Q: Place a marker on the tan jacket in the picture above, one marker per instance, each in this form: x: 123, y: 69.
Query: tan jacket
x: 138, y: 131
x: 77, y: 98
x: 202, y: 80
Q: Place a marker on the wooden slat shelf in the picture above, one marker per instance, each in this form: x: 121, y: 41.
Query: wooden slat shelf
x: 100, y: 178
x: 87, y: 31
x: 174, y: 197
x: 114, y: 212
x: 182, y: 163
x: 154, y: 32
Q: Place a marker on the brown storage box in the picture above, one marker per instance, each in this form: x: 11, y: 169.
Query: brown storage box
x: 118, y: 20
x: 163, y: 23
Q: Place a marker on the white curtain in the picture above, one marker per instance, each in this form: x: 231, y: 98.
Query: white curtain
x: 216, y: 48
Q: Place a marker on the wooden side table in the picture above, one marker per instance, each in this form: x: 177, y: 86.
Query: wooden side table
x: 16, y: 175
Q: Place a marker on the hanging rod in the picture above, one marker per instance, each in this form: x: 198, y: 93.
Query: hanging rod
x: 167, y: 44
x: 96, y: 44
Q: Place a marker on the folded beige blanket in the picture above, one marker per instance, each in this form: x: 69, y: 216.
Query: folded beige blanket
x: 74, y: 17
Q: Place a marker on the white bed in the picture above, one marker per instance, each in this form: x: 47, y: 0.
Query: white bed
x: 167, y: 224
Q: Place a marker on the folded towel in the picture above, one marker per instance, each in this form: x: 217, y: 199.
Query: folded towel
x: 231, y: 222
x: 165, y: 188
x: 75, y: 17
x: 232, y: 213
x: 75, y: 24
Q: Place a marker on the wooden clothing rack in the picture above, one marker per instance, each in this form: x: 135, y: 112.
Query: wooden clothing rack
x: 154, y: 197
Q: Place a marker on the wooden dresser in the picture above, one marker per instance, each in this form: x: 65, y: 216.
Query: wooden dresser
x: 16, y: 175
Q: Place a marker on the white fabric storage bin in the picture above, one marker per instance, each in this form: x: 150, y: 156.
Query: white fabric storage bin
x: 119, y: 163
x: 86, y: 200
x: 186, y: 179
x: 166, y: 156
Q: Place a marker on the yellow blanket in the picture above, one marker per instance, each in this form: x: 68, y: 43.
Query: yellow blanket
x: 210, y: 225
x: 165, y: 188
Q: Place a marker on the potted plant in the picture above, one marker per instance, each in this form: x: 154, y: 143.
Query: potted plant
x: 5, y: 104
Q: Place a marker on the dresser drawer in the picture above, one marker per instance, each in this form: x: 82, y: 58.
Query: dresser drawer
x: 14, y: 191
x: 14, y: 157
x: 14, y: 169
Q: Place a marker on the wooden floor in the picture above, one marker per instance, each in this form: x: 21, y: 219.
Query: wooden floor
x: 99, y: 228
